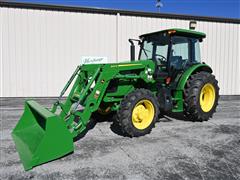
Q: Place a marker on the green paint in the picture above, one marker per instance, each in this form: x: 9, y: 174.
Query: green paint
x: 40, y: 136
x: 43, y: 135
x: 178, y: 93
x: 189, y: 71
x: 184, y: 32
x: 178, y: 97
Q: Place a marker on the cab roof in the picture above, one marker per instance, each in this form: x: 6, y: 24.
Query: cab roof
x: 178, y: 31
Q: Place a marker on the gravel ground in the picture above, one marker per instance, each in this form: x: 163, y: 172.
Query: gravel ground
x: 175, y: 149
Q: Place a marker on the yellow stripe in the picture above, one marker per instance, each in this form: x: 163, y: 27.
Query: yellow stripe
x: 125, y: 65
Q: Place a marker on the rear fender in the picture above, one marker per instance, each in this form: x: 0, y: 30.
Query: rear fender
x: 178, y: 94
x: 193, y: 69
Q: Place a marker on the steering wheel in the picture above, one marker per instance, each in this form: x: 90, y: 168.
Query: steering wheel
x: 161, y: 58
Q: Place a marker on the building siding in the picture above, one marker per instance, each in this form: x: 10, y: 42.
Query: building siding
x: 41, y: 48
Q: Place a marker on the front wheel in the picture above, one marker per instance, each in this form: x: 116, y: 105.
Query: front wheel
x: 201, y: 96
x: 138, y: 113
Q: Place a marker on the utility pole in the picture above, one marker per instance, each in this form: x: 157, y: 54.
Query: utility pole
x: 159, y: 4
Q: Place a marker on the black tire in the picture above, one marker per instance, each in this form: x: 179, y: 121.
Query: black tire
x: 124, y: 114
x: 192, y: 94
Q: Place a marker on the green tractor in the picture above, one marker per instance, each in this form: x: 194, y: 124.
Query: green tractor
x: 168, y: 77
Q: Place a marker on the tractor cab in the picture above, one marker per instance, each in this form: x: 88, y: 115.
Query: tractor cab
x: 172, y: 50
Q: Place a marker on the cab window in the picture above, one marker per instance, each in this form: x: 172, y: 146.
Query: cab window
x: 196, y: 51
x: 180, y: 53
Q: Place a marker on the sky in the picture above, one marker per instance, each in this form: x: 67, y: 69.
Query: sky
x: 218, y: 8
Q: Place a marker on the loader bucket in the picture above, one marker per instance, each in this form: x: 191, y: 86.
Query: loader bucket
x: 41, y: 136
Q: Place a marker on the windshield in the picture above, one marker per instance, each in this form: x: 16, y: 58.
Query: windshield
x: 154, y: 47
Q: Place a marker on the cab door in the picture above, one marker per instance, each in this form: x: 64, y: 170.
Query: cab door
x: 184, y: 52
x: 180, y: 54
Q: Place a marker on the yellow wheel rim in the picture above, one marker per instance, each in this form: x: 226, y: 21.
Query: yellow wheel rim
x: 207, y: 97
x: 143, y: 114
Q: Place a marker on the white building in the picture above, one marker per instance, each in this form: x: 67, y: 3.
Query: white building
x: 41, y: 44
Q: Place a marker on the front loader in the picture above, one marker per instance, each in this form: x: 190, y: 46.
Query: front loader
x: 168, y: 77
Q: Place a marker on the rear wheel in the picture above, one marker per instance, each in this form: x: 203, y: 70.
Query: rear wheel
x: 138, y: 113
x: 201, y: 96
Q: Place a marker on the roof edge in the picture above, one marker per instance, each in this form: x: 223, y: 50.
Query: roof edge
x: 116, y: 11
x: 178, y: 31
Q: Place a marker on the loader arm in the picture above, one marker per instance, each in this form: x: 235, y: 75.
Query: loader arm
x: 89, y: 90
x: 43, y: 135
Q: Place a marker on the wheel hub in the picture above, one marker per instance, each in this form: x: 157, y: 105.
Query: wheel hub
x: 207, y: 97
x: 143, y: 114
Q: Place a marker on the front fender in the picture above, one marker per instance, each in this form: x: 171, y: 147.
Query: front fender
x: 189, y: 72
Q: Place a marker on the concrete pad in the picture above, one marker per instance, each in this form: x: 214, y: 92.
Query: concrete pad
x: 175, y: 149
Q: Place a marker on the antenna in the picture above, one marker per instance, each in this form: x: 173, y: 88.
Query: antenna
x: 159, y: 4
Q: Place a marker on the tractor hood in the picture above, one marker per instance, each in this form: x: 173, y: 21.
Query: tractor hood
x: 123, y: 65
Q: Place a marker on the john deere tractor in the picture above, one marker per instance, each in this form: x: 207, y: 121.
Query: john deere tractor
x: 167, y: 77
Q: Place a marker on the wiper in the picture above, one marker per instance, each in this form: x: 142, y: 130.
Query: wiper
x: 144, y: 50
